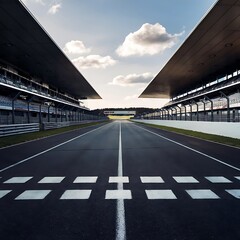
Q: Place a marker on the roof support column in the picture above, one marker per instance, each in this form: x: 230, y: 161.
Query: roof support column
x: 185, y: 109
x: 62, y: 111
x: 190, y: 105
x: 13, y: 107
x: 49, y: 111
x: 28, y: 108
x: 161, y: 114
x: 71, y: 114
x: 206, y: 97
x: 171, y: 117
x: 174, y: 108
x: 228, y: 105
x: 180, y: 112
x: 56, y: 112
x: 204, y: 109
x: 40, y: 113
x: 193, y: 102
x: 168, y: 114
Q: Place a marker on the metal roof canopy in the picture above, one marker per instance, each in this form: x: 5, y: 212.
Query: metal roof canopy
x: 26, y: 45
x: 211, y: 50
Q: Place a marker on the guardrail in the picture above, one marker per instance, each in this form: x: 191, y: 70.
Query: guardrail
x: 13, y: 129
x: 54, y: 125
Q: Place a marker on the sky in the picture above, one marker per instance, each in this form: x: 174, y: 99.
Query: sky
x: 119, y: 46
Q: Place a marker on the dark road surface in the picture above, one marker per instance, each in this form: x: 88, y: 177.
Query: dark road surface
x: 119, y: 181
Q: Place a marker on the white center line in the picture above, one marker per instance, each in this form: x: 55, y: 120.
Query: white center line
x: 120, y: 225
x: 194, y: 150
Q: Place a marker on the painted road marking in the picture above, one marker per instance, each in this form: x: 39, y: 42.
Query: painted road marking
x: 85, y: 180
x: 151, y: 194
x: 218, y: 179
x: 185, y: 179
x: 33, y: 195
x: 202, y: 194
x: 49, y: 149
x: 51, y: 180
x: 4, y: 193
x: 151, y: 179
x: 76, y: 194
x: 160, y: 194
x: 118, y: 194
x: 18, y: 180
x: 189, y: 148
x: 120, y: 218
x: 234, y: 192
x: 121, y: 179
x: 118, y: 179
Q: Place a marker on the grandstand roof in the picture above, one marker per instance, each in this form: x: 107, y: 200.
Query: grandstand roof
x: 25, y: 44
x: 212, y: 49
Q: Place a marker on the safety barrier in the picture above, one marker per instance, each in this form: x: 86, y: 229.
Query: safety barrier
x: 54, y: 125
x: 218, y: 128
x: 13, y: 129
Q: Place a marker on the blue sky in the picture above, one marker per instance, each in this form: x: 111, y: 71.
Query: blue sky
x: 119, y: 45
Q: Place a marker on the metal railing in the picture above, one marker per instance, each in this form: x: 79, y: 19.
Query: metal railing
x: 54, y: 125
x: 13, y: 129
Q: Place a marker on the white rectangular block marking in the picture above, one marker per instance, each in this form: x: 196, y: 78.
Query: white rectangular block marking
x: 51, y: 180
x: 33, y: 195
x: 160, y: 194
x: 218, y: 179
x: 118, y: 194
x: 234, y: 192
x: 186, y: 179
x: 4, y: 193
x: 151, y: 179
x: 85, y: 180
x: 76, y: 194
x: 202, y: 194
x: 238, y: 178
x: 18, y: 180
x: 119, y: 179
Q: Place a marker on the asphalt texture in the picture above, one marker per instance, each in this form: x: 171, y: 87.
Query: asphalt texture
x: 169, y: 186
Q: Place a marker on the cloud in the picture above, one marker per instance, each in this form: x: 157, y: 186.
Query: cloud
x: 36, y: 1
x: 93, y: 61
x: 76, y: 47
x: 54, y: 8
x: 132, y: 79
x: 148, y: 40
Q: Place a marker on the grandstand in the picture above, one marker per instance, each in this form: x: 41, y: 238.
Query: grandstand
x: 202, y: 79
x: 38, y: 83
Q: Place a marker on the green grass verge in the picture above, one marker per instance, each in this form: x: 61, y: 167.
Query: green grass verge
x: 205, y: 136
x: 11, y: 140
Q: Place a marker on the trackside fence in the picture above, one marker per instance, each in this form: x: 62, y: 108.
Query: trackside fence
x: 13, y: 129
x: 54, y: 125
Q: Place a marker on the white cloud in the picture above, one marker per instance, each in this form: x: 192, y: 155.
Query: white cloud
x: 132, y: 79
x: 148, y: 40
x: 36, y: 1
x: 76, y: 47
x: 93, y: 61
x: 54, y: 8
x: 40, y: 1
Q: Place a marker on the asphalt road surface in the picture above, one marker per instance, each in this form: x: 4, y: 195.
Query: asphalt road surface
x: 119, y: 181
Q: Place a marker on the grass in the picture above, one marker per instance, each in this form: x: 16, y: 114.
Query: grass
x: 205, y: 136
x: 15, y: 139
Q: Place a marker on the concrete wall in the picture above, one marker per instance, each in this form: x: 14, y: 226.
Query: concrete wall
x: 217, y: 128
